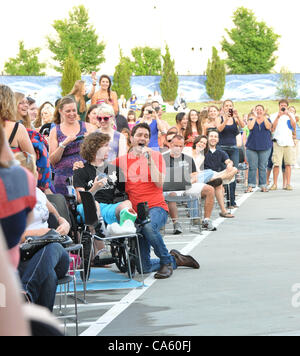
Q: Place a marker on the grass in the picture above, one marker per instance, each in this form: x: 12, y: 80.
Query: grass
x: 243, y: 107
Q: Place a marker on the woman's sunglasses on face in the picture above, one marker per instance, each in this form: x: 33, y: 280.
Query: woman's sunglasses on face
x: 103, y: 118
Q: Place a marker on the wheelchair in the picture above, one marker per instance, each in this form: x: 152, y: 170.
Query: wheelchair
x: 124, y: 249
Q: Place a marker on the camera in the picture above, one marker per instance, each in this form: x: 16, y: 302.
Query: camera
x: 157, y: 109
x: 231, y: 112
x: 283, y: 109
x: 150, y: 111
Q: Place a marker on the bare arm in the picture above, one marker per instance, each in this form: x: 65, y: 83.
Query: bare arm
x: 115, y: 102
x: 13, y: 322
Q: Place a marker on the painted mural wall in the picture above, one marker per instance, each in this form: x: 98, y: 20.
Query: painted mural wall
x: 238, y: 87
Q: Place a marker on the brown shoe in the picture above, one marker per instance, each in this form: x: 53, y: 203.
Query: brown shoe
x: 184, y: 261
x: 164, y: 272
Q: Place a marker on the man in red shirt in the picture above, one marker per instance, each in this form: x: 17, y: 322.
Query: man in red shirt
x: 144, y: 170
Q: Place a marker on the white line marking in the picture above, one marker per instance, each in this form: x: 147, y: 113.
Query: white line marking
x: 96, y: 328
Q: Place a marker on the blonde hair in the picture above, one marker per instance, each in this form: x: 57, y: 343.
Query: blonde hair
x: 77, y: 90
x: 8, y: 107
x: 106, y: 109
x: 25, y: 119
x: 27, y: 161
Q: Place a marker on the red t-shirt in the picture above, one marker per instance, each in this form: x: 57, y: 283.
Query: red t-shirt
x: 139, y: 185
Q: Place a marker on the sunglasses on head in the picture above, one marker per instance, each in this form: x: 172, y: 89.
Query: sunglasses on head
x: 105, y: 118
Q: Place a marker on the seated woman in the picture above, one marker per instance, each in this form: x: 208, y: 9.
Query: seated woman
x: 101, y: 178
x: 40, y: 274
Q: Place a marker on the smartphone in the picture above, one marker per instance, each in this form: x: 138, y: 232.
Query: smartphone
x: 79, y: 138
x: 231, y: 112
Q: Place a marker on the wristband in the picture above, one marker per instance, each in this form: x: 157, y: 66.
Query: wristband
x: 61, y: 145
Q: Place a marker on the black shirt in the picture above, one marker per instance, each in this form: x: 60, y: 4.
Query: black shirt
x: 216, y: 160
x: 121, y: 122
x: 85, y: 177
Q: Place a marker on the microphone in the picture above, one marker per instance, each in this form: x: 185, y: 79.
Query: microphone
x: 146, y: 154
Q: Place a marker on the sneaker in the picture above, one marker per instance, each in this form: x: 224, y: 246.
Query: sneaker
x: 177, y: 229
x: 207, y: 225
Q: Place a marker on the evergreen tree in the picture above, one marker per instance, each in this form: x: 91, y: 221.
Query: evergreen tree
x: 169, y: 79
x: 252, y: 44
x: 287, y: 85
x: 26, y: 62
x: 147, y: 61
x: 71, y: 73
x: 216, y: 77
x: 122, y: 77
x: 76, y: 33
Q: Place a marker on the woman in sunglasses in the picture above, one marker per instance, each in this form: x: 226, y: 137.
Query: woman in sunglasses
x: 107, y: 124
x: 65, y: 140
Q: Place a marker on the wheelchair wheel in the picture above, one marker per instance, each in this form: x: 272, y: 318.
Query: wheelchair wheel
x: 119, y: 252
x: 87, y: 246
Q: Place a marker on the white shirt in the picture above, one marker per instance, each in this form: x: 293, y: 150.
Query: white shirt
x: 40, y: 212
x: 283, y: 134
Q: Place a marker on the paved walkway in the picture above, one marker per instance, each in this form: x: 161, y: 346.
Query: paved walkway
x: 244, y: 287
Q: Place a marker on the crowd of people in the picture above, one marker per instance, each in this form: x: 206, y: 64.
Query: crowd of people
x: 106, y: 144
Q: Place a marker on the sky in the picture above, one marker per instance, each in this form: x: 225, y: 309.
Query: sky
x: 182, y: 24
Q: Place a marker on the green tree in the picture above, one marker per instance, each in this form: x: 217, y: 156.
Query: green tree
x: 26, y: 62
x: 71, y: 73
x: 169, y: 79
x: 216, y: 77
x: 252, y: 45
x: 287, y: 85
x: 122, y: 77
x: 76, y: 33
x: 147, y: 61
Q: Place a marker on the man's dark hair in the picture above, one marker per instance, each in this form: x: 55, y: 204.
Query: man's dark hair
x: 141, y: 126
x: 180, y: 116
x: 283, y: 101
x: 177, y: 137
x: 211, y: 132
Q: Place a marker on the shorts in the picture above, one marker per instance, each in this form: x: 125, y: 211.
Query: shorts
x: 280, y: 153
x: 108, y: 212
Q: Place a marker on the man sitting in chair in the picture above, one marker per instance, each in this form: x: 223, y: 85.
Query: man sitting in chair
x: 145, y: 170
x: 185, y: 165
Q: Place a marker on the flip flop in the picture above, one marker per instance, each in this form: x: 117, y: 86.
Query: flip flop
x: 249, y: 190
x: 226, y: 216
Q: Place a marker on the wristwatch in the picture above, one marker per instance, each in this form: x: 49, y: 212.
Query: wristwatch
x: 62, y: 145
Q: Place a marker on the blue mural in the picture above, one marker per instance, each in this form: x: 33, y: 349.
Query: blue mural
x: 238, y: 87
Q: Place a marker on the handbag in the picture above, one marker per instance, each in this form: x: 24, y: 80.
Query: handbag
x: 35, y: 243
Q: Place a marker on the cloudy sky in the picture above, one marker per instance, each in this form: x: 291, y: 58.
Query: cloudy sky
x: 182, y: 24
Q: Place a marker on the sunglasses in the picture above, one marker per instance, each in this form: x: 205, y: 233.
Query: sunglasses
x: 105, y: 119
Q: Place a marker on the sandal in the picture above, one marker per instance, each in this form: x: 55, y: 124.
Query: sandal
x: 249, y: 190
x: 226, y: 215
x: 264, y: 190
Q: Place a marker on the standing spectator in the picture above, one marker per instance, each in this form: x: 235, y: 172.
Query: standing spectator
x: 193, y: 129
x: 229, y: 125
x: 144, y: 171
x: 132, y: 103
x: 157, y: 97
x: 32, y: 109
x: 80, y: 96
x: 105, y: 95
x: 131, y: 119
x: 14, y: 131
x: 158, y: 109
x: 150, y: 117
x: 45, y: 115
x: 259, y: 146
x: 283, y: 146
x: 122, y: 102
x: 117, y: 143
x: 181, y: 123
x: 296, y: 137
x: 64, y: 142
x: 22, y: 110
x: 91, y: 116
x: 211, y: 122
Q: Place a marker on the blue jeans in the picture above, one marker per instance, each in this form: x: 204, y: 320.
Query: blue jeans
x: 258, y: 160
x: 40, y: 274
x: 234, y: 155
x: 152, y: 237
